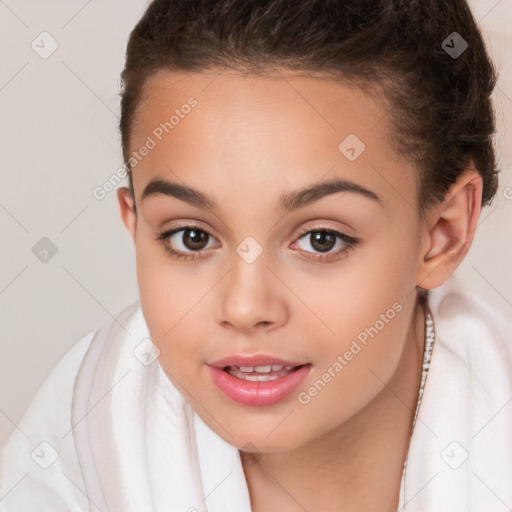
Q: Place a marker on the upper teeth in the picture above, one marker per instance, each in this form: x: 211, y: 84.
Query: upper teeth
x: 264, y: 369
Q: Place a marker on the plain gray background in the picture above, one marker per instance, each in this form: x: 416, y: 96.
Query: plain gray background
x: 59, y: 140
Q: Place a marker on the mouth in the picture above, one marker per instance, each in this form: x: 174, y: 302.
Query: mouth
x: 260, y: 385
x: 261, y: 373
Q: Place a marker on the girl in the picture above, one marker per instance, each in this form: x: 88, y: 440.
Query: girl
x: 304, y: 179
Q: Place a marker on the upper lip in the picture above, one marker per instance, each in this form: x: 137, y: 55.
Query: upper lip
x: 252, y: 360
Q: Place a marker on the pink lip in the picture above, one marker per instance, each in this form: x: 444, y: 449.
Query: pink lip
x: 254, y: 360
x: 256, y: 393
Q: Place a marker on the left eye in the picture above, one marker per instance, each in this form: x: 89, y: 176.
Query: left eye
x: 324, y: 240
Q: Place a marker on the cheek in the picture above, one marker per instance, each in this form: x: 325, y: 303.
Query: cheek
x: 170, y: 298
x: 357, y: 364
x: 367, y: 304
x: 349, y: 296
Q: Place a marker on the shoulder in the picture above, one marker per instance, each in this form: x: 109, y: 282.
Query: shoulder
x: 38, y: 464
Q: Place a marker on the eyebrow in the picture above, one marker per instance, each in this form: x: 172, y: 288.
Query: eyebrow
x: 288, y: 202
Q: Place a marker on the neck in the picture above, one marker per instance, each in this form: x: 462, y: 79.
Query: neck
x: 358, y: 465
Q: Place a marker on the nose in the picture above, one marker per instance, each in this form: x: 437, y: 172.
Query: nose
x: 251, y: 297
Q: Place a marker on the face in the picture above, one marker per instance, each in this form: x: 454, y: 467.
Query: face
x: 322, y: 280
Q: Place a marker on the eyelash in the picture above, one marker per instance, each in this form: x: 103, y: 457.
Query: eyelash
x: 350, y: 242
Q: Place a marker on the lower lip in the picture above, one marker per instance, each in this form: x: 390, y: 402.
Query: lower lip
x: 252, y: 393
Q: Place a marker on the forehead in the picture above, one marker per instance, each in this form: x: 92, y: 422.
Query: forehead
x: 285, y: 130
x: 315, y: 99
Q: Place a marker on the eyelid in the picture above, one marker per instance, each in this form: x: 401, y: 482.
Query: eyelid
x: 166, y: 233
x: 186, y: 225
x: 317, y: 226
x: 349, y: 241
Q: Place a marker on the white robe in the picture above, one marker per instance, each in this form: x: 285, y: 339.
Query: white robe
x: 117, y: 436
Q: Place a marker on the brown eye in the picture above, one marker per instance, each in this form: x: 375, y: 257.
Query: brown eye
x: 322, y: 242
x: 185, y: 241
x: 194, y: 239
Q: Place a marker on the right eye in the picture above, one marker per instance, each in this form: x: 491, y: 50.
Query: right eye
x: 189, y: 240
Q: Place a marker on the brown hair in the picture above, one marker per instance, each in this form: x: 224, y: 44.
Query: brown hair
x: 440, y: 103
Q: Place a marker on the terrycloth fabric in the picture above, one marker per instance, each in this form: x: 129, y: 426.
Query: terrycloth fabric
x: 460, y: 455
x: 109, y: 431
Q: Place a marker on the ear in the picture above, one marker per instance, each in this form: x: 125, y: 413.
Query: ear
x: 127, y: 210
x: 450, y: 229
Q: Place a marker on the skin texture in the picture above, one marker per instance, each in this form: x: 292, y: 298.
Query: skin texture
x: 246, y: 142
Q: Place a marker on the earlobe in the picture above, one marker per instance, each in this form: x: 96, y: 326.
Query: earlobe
x: 451, y: 229
x: 127, y: 210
